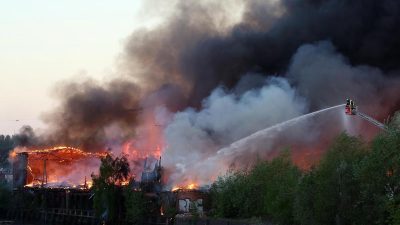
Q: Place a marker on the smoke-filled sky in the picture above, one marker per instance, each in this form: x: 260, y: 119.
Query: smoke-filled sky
x: 193, y: 76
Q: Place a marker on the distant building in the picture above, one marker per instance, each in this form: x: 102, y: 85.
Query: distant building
x: 189, y: 201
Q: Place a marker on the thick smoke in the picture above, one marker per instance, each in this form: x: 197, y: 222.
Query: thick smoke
x: 202, y: 45
x: 325, y: 77
x: 192, y: 51
x: 89, y: 111
x: 193, y: 136
x: 318, y: 53
x: 318, y: 74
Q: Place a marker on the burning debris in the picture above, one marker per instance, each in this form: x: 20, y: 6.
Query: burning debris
x: 190, y: 186
x: 59, y: 166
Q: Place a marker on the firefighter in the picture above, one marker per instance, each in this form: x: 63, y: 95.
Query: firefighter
x: 352, y: 107
x: 347, y: 102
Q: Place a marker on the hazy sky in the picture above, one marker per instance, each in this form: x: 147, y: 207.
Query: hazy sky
x: 43, y: 42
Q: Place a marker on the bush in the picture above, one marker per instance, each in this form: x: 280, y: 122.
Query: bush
x: 333, y: 185
x: 107, y: 187
x: 266, y: 190
x: 135, y: 205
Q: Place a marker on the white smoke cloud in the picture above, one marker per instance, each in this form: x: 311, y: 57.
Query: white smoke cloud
x: 192, y: 135
x: 318, y: 77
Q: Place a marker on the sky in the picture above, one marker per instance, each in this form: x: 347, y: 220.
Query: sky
x: 45, y: 42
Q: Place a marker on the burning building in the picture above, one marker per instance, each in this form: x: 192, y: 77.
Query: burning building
x: 54, y: 167
x: 194, y: 200
x: 204, y: 79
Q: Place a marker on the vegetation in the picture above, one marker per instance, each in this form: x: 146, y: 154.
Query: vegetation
x: 26, y: 137
x: 267, y: 190
x: 354, y: 183
x: 136, y: 207
x: 107, y: 187
x: 7, y: 143
x: 113, y: 201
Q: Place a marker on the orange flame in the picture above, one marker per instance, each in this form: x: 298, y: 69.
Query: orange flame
x: 63, y: 150
x: 190, y: 186
x: 60, y: 164
x: 13, y: 154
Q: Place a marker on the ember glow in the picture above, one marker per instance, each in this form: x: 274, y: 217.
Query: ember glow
x: 189, y: 186
x: 60, y: 166
x: 137, y: 157
x: 64, y: 151
x: 12, y: 155
x: 69, y: 167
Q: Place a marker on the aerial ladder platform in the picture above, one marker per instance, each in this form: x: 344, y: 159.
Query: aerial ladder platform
x: 351, y: 109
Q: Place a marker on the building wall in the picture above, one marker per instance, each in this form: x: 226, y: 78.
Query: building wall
x: 191, y: 201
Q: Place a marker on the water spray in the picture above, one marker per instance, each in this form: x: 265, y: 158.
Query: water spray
x: 266, y: 132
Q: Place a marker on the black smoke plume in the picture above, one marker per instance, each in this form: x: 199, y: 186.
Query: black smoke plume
x: 191, y: 50
x: 88, y: 111
x: 198, y: 48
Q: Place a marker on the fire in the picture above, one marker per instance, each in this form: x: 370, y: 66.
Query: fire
x: 138, y: 156
x: 89, y: 184
x: 68, y: 166
x: 125, y: 183
x: 13, y: 154
x: 162, y: 211
x: 64, y: 150
x: 190, y: 186
x: 129, y: 150
x: 60, y: 166
x: 30, y: 185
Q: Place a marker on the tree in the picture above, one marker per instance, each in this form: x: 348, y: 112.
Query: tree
x: 7, y: 143
x: 304, y: 205
x: 229, y: 195
x: 379, y: 175
x: 107, y: 187
x: 330, y: 193
x: 281, y: 178
x: 266, y: 190
x: 135, y: 205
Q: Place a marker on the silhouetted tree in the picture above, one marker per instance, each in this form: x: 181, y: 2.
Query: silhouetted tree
x: 107, y: 187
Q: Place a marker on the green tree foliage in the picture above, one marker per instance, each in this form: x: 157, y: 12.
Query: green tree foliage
x: 107, y: 187
x: 227, y: 193
x: 281, y: 180
x: 7, y: 143
x: 304, y: 206
x: 135, y: 205
x: 266, y: 190
x: 329, y: 193
x: 379, y: 176
x: 354, y: 183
